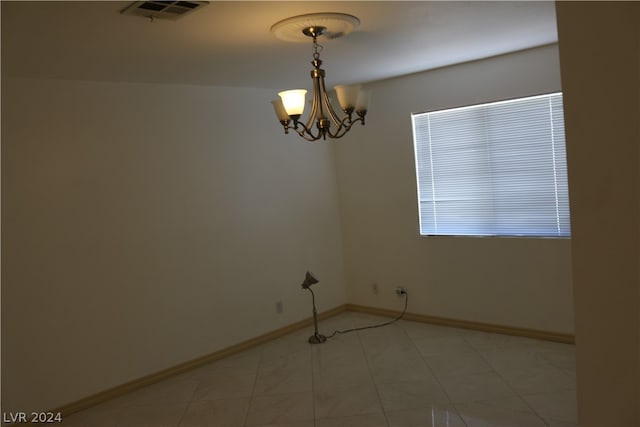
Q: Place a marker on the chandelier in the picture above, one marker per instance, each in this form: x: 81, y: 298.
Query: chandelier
x: 352, y: 99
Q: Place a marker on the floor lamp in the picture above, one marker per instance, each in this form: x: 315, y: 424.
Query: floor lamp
x: 317, y: 337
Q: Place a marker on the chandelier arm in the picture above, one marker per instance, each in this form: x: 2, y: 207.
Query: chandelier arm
x: 316, y: 105
x: 305, y: 132
x: 344, y: 124
x: 344, y: 128
x: 327, y: 102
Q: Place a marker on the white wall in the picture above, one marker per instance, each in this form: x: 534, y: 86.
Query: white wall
x: 144, y: 226
x: 601, y: 78
x: 506, y: 281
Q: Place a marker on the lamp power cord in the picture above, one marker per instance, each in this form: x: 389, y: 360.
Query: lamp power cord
x: 404, y: 311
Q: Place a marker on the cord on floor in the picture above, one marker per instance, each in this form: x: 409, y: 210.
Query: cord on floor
x: 406, y: 302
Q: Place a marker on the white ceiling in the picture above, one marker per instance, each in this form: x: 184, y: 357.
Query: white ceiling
x: 228, y: 43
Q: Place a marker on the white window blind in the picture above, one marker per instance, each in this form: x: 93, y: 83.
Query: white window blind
x: 495, y: 169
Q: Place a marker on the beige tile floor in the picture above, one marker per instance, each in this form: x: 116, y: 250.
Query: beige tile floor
x: 404, y: 374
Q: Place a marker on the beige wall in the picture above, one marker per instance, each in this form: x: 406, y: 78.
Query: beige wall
x: 130, y: 241
x: 599, y: 57
x: 144, y: 226
x: 506, y: 281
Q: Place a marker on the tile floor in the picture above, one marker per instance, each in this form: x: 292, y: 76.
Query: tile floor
x: 404, y: 374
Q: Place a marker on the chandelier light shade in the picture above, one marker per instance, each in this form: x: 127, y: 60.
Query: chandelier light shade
x: 293, y: 101
x: 323, y: 120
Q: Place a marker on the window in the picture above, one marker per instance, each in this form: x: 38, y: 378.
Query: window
x: 495, y: 169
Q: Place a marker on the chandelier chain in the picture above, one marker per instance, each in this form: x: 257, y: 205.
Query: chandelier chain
x: 317, y: 48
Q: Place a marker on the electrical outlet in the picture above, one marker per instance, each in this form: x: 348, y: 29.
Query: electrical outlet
x: 279, y: 307
x: 374, y: 288
x: 401, y: 291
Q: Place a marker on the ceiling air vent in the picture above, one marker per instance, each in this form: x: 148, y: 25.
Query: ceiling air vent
x: 156, y: 9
